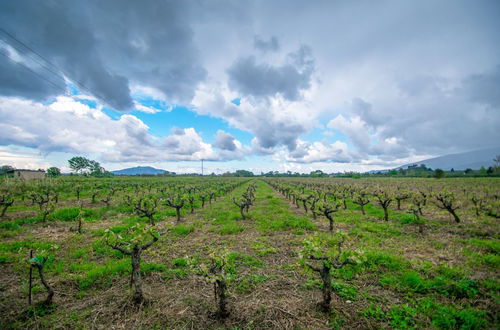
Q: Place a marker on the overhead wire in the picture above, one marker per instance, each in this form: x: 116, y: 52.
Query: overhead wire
x: 34, y: 72
x: 48, y: 67
x: 30, y: 55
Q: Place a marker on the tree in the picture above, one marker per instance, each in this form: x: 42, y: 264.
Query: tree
x: 313, y: 200
x: 384, y: 199
x: 79, y: 220
x: 5, y: 168
x: 46, y: 209
x: 177, y: 202
x: 219, y: 270
x: 53, y: 172
x: 247, y: 199
x: 401, y: 195
x: 38, y: 262
x: 447, y: 201
x: 317, y: 174
x: 327, y: 209
x: 243, y: 203
x: 79, y: 164
x: 361, y: 199
x: 133, y: 246
x: 6, y: 200
x: 83, y: 165
x: 243, y: 173
x: 497, y: 161
x: 144, y: 206
x: 95, y: 168
x: 439, y: 173
x: 420, y: 222
x: 326, y: 254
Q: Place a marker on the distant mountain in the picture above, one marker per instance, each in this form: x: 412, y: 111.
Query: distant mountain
x: 139, y: 170
x: 462, y: 161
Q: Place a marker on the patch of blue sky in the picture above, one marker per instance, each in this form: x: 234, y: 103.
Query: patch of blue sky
x: 236, y: 101
x: 49, y: 101
x: 113, y: 114
x: 73, y: 90
x: 153, y: 103
x: 91, y: 103
x: 161, y: 123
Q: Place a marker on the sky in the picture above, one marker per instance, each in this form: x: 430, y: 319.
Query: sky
x: 257, y: 85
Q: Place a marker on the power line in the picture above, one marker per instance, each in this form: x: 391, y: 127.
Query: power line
x: 34, y: 72
x: 30, y: 55
x: 78, y: 83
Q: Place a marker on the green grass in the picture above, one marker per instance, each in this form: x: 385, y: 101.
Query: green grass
x: 242, y: 259
x: 98, y: 275
x: 183, y: 229
x: 248, y: 283
x: 413, y: 316
x: 405, y: 280
x: 230, y: 228
x: 262, y: 249
x: 65, y: 214
x: 274, y: 214
x: 269, y: 214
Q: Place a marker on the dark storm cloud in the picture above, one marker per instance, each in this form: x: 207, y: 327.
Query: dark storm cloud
x: 18, y: 79
x: 106, y: 46
x: 484, y: 88
x: 262, y: 80
x: 271, y: 45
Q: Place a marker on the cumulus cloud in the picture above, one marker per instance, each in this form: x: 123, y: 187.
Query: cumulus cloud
x: 70, y: 126
x: 355, y: 128
x: 275, y: 122
x: 145, y: 109
x: 224, y: 141
x: 311, y: 152
x: 429, y: 115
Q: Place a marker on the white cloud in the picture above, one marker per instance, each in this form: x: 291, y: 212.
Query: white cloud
x: 72, y: 127
x: 355, y: 129
x: 274, y: 121
x: 312, y: 152
x: 145, y: 109
x: 22, y: 159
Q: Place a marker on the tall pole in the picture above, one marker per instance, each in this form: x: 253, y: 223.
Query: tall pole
x: 202, y: 167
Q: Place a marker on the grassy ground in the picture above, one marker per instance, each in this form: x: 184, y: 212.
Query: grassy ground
x: 444, y: 278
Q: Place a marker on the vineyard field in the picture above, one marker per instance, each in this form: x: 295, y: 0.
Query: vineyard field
x: 250, y: 253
